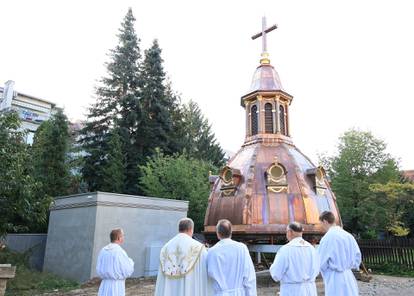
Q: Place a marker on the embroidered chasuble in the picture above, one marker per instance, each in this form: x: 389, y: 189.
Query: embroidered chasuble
x: 182, y: 270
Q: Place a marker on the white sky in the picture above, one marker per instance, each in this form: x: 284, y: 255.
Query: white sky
x: 347, y: 63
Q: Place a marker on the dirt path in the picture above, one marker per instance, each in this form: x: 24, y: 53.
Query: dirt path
x: 380, y: 285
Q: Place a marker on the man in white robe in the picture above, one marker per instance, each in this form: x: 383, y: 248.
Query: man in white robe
x: 338, y: 253
x: 230, y: 266
x: 296, y: 265
x: 114, y: 266
x: 182, y: 270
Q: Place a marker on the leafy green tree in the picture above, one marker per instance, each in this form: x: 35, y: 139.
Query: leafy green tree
x: 199, y: 140
x: 51, y: 154
x: 179, y: 177
x: 113, y: 171
x: 23, y: 207
x: 116, y: 104
x: 394, y: 205
x: 361, y: 161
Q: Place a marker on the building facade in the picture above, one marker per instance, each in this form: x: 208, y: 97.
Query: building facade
x: 32, y: 110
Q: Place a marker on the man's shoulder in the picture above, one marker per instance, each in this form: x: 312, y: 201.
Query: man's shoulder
x: 112, y: 250
x: 229, y: 244
x: 182, y: 240
x: 338, y: 234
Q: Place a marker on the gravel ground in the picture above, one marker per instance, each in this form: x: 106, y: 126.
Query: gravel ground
x: 380, y: 285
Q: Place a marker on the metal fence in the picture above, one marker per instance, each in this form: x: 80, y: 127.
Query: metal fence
x: 388, y: 251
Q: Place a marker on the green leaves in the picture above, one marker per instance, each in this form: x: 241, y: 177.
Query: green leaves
x: 179, y: 177
x: 395, y: 205
x: 23, y: 205
x: 361, y: 161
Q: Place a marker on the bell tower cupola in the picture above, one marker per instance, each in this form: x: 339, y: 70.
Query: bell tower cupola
x: 266, y: 103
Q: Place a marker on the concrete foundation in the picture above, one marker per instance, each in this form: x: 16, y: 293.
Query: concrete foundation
x: 79, y: 227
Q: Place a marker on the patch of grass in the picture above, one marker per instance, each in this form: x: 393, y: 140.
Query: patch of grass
x: 391, y: 269
x: 30, y: 282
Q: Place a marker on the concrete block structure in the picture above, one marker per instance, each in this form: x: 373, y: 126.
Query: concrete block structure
x: 79, y: 227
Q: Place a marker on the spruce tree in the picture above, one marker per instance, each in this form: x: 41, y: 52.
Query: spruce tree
x: 117, y: 103
x: 175, y: 108
x: 50, y: 155
x: 113, y: 172
x: 156, y: 124
x: 199, y: 140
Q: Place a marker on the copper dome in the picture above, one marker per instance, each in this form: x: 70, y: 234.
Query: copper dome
x: 265, y: 78
x: 269, y: 182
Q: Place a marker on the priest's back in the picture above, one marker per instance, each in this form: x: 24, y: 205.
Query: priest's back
x: 339, y: 254
x: 229, y: 265
x: 296, y: 266
x: 231, y: 268
x: 182, y: 270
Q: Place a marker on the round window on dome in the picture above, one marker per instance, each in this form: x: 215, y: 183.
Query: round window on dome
x: 227, y: 176
x: 276, y: 171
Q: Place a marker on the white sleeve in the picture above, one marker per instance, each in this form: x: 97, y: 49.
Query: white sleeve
x: 324, y: 255
x: 126, y: 265
x: 249, y: 279
x: 99, y: 266
x: 315, y: 263
x: 357, y: 254
x: 279, y: 266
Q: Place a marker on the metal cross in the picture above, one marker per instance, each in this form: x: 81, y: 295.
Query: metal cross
x: 263, y: 34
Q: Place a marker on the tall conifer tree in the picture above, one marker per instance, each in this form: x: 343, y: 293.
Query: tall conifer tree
x: 199, y: 140
x: 156, y: 124
x: 113, y: 172
x: 117, y: 103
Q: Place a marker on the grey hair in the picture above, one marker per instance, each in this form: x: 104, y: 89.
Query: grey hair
x: 185, y: 224
x: 295, y: 227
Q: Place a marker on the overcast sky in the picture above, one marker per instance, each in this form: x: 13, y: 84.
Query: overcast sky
x: 347, y: 64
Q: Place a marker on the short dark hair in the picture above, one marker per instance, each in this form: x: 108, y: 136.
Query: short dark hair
x: 115, y: 234
x: 328, y: 217
x: 185, y: 224
x: 295, y: 226
x: 223, y: 228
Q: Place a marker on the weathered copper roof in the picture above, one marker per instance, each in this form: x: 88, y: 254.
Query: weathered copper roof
x: 255, y: 210
x: 265, y: 78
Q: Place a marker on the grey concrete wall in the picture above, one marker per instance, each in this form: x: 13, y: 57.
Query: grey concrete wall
x: 80, y: 225
x: 34, y: 243
x: 142, y: 226
x: 71, y: 237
